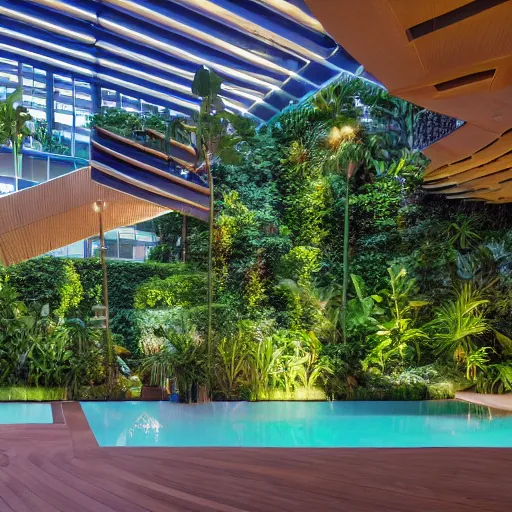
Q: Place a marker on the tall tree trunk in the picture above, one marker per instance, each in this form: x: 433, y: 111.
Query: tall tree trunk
x: 107, y: 338
x: 345, y: 265
x: 184, y: 239
x: 210, y: 264
x: 17, y: 170
x: 351, y: 169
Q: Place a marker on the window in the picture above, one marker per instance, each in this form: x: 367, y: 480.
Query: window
x: 83, y: 112
x: 8, y: 77
x: 108, y: 98
x: 130, y: 104
x: 34, y: 91
x: 63, y: 114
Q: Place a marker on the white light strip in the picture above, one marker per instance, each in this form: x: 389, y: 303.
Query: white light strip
x: 177, y: 52
x: 145, y: 90
x: 157, y: 64
x: 45, y: 44
x: 200, y: 35
x: 47, y: 60
x: 252, y: 29
x: 242, y: 93
x: 100, y: 76
x: 294, y: 13
x: 59, y: 5
x: 108, y: 64
x: 121, y: 52
x: 31, y: 20
x: 118, y: 67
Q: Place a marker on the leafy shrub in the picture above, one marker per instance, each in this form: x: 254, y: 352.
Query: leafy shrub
x: 31, y: 394
x: 300, y: 264
x: 177, y: 290
x: 48, y: 280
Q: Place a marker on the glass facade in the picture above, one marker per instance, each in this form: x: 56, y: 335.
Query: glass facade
x: 61, y: 106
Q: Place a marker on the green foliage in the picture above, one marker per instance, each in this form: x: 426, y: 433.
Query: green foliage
x: 177, y: 290
x: 310, y: 212
x: 458, y: 323
x: 29, y: 394
x: 398, y: 341
x: 13, y: 127
x: 180, y: 357
x: 300, y: 264
x: 462, y: 233
x: 496, y: 378
x: 71, y: 291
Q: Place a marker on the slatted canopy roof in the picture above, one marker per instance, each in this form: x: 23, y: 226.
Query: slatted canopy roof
x: 270, y: 52
x: 450, y: 56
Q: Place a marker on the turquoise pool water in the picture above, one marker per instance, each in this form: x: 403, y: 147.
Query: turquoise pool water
x: 17, y: 414
x: 298, y: 424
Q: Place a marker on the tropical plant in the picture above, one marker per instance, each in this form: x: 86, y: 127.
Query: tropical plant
x: 495, y: 378
x: 310, y: 367
x: 463, y: 233
x: 234, y: 351
x: 264, y: 367
x: 398, y: 340
x: 13, y: 127
x: 458, y: 324
x: 181, y: 357
x: 215, y: 136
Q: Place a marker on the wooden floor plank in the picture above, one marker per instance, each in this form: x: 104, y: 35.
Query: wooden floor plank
x: 60, y: 467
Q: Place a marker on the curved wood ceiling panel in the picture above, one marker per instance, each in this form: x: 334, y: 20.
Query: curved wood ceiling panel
x: 471, y: 38
x: 59, y: 212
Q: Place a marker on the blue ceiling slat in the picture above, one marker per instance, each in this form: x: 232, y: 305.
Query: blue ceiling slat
x: 86, y: 77
x: 301, y: 5
x: 315, y: 59
x: 318, y: 43
x: 22, y: 28
x: 185, y: 82
x: 37, y: 12
x: 199, y: 50
x: 297, y: 88
x: 279, y: 99
x: 318, y: 74
x: 262, y: 111
x: 222, y: 32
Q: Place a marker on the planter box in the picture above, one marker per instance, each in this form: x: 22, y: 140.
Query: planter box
x: 154, y: 393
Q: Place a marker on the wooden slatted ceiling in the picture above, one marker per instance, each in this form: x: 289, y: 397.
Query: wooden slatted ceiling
x: 59, y: 212
x: 472, y: 162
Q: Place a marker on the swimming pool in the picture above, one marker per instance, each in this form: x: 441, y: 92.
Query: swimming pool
x: 21, y: 413
x: 298, y: 424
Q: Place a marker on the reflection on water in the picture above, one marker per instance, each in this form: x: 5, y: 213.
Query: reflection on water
x: 299, y: 424
x: 148, y: 425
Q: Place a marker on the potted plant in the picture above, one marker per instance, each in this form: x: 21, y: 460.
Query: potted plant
x: 181, y: 357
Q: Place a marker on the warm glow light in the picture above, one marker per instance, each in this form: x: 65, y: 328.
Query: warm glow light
x: 99, y: 206
x: 347, y: 132
x: 339, y: 135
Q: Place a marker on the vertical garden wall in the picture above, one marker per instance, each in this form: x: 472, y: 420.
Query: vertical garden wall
x: 429, y: 280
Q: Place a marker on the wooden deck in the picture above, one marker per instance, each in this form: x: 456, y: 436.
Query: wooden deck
x: 59, y: 467
x: 501, y: 402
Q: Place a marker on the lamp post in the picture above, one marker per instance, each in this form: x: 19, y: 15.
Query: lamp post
x: 99, y: 207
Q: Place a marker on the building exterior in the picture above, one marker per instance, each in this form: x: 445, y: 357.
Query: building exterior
x: 61, y: 145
